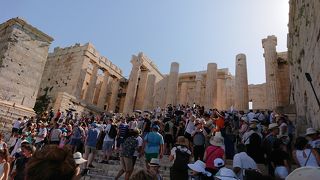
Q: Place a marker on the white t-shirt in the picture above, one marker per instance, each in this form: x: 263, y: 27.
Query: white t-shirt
x: 107, y: 137
x: 243, y: 161
x: 42, y: 132
x: 190, y: 127
x: 250, y: 116
x: 140, y: 142
x: 16, y: 124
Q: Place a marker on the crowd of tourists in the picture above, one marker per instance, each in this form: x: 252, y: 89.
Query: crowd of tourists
x: 198, y: 142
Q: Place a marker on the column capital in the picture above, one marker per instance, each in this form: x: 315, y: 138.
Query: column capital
x: 269, y: 41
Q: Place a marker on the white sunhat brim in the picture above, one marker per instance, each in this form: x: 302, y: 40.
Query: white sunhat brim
x: 80, y: 161
x: 225, y: 178
x: 196, y: 168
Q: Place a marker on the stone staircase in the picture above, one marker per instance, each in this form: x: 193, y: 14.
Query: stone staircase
x: 110, y: 170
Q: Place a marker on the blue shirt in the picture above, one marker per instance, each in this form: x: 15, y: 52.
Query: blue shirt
x: 154, y: 140
x: 92, y: 137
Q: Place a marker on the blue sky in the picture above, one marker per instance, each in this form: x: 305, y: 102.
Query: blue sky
x: 191, y: 32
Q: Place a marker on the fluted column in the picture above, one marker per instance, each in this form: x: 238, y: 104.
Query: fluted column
x: 78, y: 90
x: 103, y: 91
x: 92, y: 83
x: 197, y: 95
x: 114, y: 95
x: 211, y: 86
x: 270, y: 55
x: 241, y: 93
x: 148, y: 98
x: 132, y: 85
x: 141, y: 89
x: 172, y: 89
x: 183, y: 93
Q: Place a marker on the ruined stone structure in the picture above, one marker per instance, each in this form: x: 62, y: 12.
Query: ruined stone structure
x: 303, y: 56
x: 82, y: 76
x: 144, y: 74
x: 241, y: 86
x: 258, y: 96
x: 23, y: 54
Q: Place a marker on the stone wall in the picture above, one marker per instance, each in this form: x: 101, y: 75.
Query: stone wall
x: 23, y: 54
x: 303, y: 56
x: 258, y: 96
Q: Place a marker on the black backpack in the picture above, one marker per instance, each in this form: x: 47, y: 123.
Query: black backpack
x: 113, y: 131
x: 167, y: 127
x: 181, y: 161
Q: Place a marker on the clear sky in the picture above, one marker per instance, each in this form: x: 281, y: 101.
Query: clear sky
x: 191, y: 32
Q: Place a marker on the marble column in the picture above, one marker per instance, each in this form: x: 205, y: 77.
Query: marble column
x: 270, y: 55
x: 103, y: 91
x: 183, y: 93
x: 241, y: 86
x: 114, y: 95
x: 79, y: 87
x: 211, y: 86
x: 197, y: 95
x: 92, y: 84
x: 172, y: 88
x: 142, y: 83
x: 148, y: 98
x: 132, y: 85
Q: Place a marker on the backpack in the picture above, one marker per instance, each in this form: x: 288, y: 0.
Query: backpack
x: 198, y: 139
x: 113, y: 131
x: 167, y: 127
x: 181, y: 161
x: 100, y: 140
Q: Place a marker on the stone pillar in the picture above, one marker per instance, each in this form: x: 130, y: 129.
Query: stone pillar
x: 241, y: 93
x: 114, y: 95
x: 142, y: 83
x: 197, y: 95
x: 211, y: 86
x: 183, y: 93
x: 132, y: 85
x: 92, y: 84
x: 148, y: 98
x: 270, y: 55
x: 103, y: 91
x: 172, y: 89
x: 79, y: 86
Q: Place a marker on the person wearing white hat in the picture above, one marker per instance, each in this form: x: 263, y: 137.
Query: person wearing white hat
x: 268, y: 144
x: 244, y: 125
x: 308, y: 173
x: 154, y: 168
x: 314, y: 139
x: 242, y: 161
x: 304, y: 156
x: 198, y: 170
x: 213, y: 151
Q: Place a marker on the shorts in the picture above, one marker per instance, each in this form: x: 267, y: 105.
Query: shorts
x: 149, y: 156
x: 107, y: 146
x: 126, y: 164
x: 168, y: 139
x: 89, y: 149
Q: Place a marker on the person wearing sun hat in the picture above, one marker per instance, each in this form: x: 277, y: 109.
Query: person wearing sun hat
x: 213, y: 151
x: 313, y: 136
x: 155, y: 168
x: 308, y: 173
x: 268, y: 144
x: 223, y: 172
x: 198, y: 171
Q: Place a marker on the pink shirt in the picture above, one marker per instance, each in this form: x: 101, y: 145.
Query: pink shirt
x: 211, y: 156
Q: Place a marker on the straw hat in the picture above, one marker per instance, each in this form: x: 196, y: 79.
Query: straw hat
x: 311, y: 131
x: 78, y: 158
x: 272, y: 126
x: 217, y: 140
x: 304, y: 173
x: 198, y: 166
x: 154, y: 162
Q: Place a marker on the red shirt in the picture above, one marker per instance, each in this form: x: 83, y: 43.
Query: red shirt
x: 213, y: 152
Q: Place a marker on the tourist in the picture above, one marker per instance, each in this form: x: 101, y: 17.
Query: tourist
x: 198, y: 171
x: 242, y: 162
x: 126, y: 157
x: 155, y: 168
x: 279, y: 160
x: 91, y: 144
x: 51, y: 162
x: 16, y: 126
x: 168, y: 136
x: 4, y: 164
x: 223, y: 172
x: 41, y: 135
x: 213, y: 151
x: 108, y: 141
x: 79, y: 160
x: 314, y: 140
x: 146, y: 125
x: 143, y: 174
x: 138, y: 151
x: 55, y: 135
x: 123, y: 130
x: 304, y: 156
x: 219, y: 121
x: 153, y: 144
x: 18, y: 172
x: 3, y: 145
x: 268, y: 144
x: 180, y: 155
x: 244, y: 126
x: 190, y: 127
x: 250, y: 115
x: 78, y: 134
x: 253, y: 140
x: 199, y: 140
